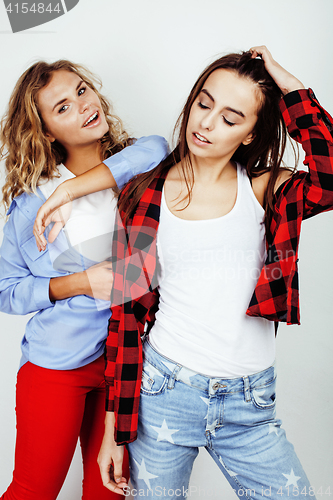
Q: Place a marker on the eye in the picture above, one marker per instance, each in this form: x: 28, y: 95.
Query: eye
x: 81, y: 90
x: 227, y: 122
x: 63, y: 108
x: 202, y: 106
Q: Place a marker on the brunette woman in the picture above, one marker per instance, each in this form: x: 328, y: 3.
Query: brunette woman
x: 216, y: 226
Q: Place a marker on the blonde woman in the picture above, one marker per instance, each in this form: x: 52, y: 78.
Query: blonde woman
x: 58, y: 126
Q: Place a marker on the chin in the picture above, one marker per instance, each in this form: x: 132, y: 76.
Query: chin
x: 198, y: 152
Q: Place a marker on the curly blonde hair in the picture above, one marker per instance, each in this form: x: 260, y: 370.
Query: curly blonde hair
x: 28, y: 154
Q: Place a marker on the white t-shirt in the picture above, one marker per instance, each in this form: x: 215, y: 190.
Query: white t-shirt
x: 89, y: 229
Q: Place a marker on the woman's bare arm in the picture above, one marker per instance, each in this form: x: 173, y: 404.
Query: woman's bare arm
x: 95, y: 179
x: 95, y: 282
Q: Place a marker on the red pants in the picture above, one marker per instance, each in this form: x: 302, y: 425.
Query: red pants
x: 53, y: 409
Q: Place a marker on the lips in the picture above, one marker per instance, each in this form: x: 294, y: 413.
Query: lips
x: 200, y: 139
x: 92, y: 118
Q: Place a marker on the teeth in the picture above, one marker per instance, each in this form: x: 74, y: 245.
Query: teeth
x: 91, y: 119
x: 202, y: 139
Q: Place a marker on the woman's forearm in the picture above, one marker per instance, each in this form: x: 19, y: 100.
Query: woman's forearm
x: 64, y: 287
x: 95, y: 179
x: 141, y: 156
x: 96, y: 282
x: 111, y: 454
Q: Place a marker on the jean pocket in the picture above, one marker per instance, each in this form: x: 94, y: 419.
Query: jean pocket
x: 264, y: 396
x: 153, y: 381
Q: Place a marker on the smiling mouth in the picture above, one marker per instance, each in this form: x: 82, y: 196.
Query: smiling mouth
x: 91, y: 119
x: 201, y: 138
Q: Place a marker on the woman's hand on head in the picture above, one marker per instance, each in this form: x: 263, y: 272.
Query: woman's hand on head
x: 57, y: 209
x: 110, y: 459
x: 284, y: 80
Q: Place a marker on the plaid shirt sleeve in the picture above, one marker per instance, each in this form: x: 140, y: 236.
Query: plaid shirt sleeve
x: 134, y: 299
x: 123, y: 345
x: 310, y: 125
x: 276, y: 296
x: 119, y: 249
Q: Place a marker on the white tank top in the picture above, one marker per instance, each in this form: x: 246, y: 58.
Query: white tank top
x: 209, y: 269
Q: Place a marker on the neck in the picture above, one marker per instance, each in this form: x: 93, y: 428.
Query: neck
x: 83, y: 158
x: 211, y: 170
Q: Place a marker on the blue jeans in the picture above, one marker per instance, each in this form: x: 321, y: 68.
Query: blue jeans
x: 234, y: 419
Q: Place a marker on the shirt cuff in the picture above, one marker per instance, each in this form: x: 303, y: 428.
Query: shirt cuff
x: 41, y: 293
x: 299, y: 103
x: 301, y: 108
x: 119, y: 169
x: 143, y: 155
x: 109, y: 401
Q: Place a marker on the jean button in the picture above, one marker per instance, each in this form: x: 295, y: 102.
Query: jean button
x: 216, y: 386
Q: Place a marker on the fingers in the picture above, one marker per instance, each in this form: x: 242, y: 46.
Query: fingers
x: 59, y: 220
x: 107, y: 479
x: 40, y: 224
x: 118, y: 470
x: 284, y: 80
x: 55, y: 231
x: 38, y: 231
x: 110, y: 459
x: 44, y: 217
x: 100, y: 280
x: 260, y: 51
x: 111, y: 473
x: 40, y: 240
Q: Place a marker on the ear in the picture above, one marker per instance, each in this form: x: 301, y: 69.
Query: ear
x: 49, y: 137
x: 248, y: 139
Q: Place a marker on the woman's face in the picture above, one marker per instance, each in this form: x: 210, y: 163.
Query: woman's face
x: 223, y: 115
x: 71, y: 111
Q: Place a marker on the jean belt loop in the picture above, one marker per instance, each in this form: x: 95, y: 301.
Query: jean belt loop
x: 247, y: 394
x: 173, y: 376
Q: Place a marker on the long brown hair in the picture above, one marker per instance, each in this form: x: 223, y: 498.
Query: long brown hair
x: 28, y: 154
x: 263, y: 154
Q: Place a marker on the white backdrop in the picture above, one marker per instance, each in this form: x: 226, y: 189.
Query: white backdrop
x: 148, y: 54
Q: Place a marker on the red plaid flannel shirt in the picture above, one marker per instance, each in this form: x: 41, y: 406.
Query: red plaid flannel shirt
x: 135, y: 295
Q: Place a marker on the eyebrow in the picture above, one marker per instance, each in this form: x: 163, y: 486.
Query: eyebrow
x: 239, y: 113
x: 64, y: 100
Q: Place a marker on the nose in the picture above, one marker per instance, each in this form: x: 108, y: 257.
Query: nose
x: 207, y: 121
x: 84, y: 105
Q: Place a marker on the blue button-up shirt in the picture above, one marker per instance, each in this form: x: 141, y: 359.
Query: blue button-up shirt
x: 68, y: 333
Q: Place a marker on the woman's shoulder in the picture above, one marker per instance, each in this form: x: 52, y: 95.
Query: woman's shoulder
x: 26, y: 205
x: 259, y: 184
x: 284, y: 175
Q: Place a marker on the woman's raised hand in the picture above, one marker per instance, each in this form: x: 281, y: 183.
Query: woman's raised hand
x: 49, y: 212
x: 284, y: 80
